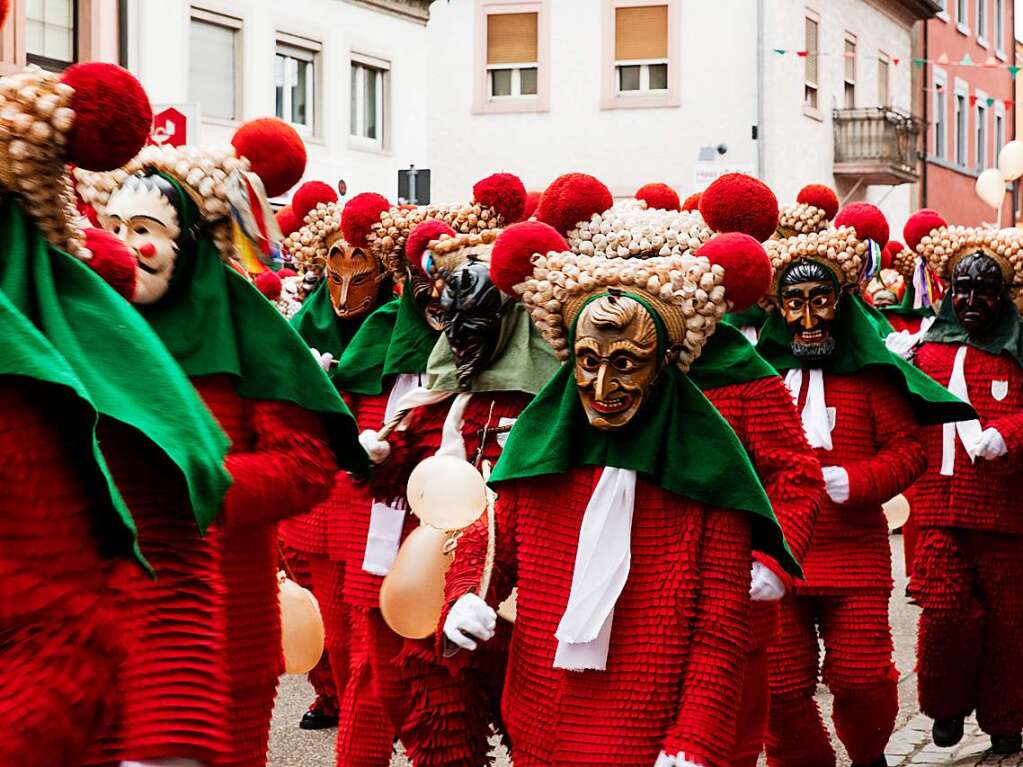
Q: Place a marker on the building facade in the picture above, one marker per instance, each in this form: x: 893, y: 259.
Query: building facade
x: 57, y: 33
x: 969, y: 104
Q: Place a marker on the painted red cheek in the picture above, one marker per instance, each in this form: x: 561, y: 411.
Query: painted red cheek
x: 148, y: 250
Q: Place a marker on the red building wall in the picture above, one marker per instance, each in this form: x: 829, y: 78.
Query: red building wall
x: 949, y: 185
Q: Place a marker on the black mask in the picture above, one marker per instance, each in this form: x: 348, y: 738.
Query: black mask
x: 808, y: 300
x: 977, y: 290
x: 472, y: 309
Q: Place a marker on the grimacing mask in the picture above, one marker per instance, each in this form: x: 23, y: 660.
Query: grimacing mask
x: 808, y: 298
x: 473, y: 310
x: 616, y: 362
x: 353, y: 278
x: 141, y: 214
x: 887, y: 288
x: 977, y: 289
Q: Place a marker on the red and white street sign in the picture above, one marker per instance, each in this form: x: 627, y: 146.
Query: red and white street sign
x: 174, y: 124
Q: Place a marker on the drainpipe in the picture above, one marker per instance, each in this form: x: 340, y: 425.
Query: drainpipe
x: 927, y: 104
x: 122, y: 33
x: 760, y: 131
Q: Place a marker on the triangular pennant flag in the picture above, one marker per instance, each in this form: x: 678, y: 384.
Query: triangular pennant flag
x: 989, y: 101
x: 1008, y: 103
x: 939, y: 87
x: 943, y: 58
x: 991, y: 62
x: 1013, y: 70
x: 780, y: 51
x: 919, y: 63
x: 802, y: 54
x: 967, y: 61
x: 896, y: 61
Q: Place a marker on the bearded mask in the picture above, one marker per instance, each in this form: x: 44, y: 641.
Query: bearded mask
x: 473, y: 309
x: 886, y: 289
x: 977, y: 289
x: 808, y: 297
x: 142, y: 215
x: 353, y: 279
x: 616, y: 361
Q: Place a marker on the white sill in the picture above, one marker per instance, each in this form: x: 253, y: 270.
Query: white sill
x: 943, y: 15
x: 999, y: 53
x: 369, y: 146
x: 651, y: 92
x: 813, y: 112
x: 982, y: 42
x: 511, y: 99
x: 963, y: 28
x: 221, y: 122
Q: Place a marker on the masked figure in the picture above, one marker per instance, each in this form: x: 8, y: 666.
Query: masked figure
x: 860, y: 406
x: 289, y: 430
x: 473, y: 309
x: 885, y: 290
x: 970, y: 547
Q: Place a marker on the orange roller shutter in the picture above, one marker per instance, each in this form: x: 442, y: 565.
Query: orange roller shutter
x: 641, y: 32
x: 511, y: 38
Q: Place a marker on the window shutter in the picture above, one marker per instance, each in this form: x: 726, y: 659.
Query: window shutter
x: 641, y: 32
x: 811, y: 49
x: 511, y: 38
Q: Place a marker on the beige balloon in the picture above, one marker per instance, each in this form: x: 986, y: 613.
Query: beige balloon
x: 896, y: 511
x: 302, y: 633
x: 412, y: 594
x: 446, y: 493
x: 1010, y: 160
x: 991, y: 187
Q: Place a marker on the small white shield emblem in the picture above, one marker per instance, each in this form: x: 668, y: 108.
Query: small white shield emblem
x: 999, y: 390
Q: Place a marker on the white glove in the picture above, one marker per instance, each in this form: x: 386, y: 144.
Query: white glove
x: 990, y: 446
x: 678, y: 760
x: 765, y: 586
x: 903, y: 343
x: 325, y: 360
x: 377, y: 449
x: 470, y: 616
x: 836, y: 482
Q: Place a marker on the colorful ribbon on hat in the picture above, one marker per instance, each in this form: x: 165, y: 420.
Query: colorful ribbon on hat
x: 925, y: 289
x: 871, y: 263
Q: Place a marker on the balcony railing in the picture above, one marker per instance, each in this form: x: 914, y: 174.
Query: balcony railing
x: 876, y: 145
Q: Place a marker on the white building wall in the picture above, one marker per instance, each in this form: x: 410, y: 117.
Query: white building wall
x: 159, y: 54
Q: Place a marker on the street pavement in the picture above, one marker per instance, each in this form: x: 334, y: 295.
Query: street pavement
x: 910, y: 745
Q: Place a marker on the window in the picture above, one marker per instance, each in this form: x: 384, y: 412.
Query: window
x: 962, y: 24
x: 811, y: 95
x: 849, y: 74
x: 214, y: 68
x: 51, y: 39
x: 295, y: 84
x: 982, y: 22
x: 999, y: 128
x: 641, y: 49
x: 940, y: 116
x: 960, y: 127
x: 883, y: 80
x: 368, y: 99
x: 1000, y: 26
x: 512, y: 55
x: 982, y: 158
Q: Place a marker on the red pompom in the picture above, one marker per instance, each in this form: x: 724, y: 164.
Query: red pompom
x: 921, y: 224
x: 532, y: 203
x: 5, y: 8
x: 288, y: 222
x: 868, y: 221
x: 511, y: 260
x: 747, y: 267
x: 359, y: 215
x: 309, y: 195
x: 422, y: 235
x: 659, y: 196
x: 112, y: 116
x: 571, y: 199
x: 285, y: 273
x: 269, y: 284
x: 820, y: 196
x: 736, y: 202
x: 890, y: 251
x: 112, y: 260
x: 692, y: 202
x: 503, y: 192
x: 275, y: 151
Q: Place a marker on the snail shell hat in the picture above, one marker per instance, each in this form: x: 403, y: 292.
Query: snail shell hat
x: 815, y: 207
x: 311, y: 225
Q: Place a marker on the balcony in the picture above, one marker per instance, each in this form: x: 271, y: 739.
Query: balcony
x: 876, y: 146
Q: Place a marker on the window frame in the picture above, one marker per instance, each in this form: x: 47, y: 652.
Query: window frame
x: 612, y: 97
x: 59, y: 65
x: 311, y: 51
x: 483, y: 102
x: 812, y: 110
x: 847, y: 40
x: 998, y: 128
x: 981, y: 133
x: 940, y: 109
x: 983, y: 23
x: 962, y: 11
x: 999, y: 29
x: 382, y: 66
x: 961, y: 125
x: 885, y: 59
x: 237, y: 26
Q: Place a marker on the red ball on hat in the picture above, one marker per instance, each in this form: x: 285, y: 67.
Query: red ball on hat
x: 571, y: 199
x: 890, y: 251
x: 504, y: 192
x: 921, y: 224
x: 511, y: 260
x: 736, y: 202
x: 746, y: 264
x: 868, y: 221
x: 269, y: 284
x: 532, y: 203
x: 309, y: 195
x: 360, y: 214
x: 422, y: 235
x: 288, y: 222
x: 112, y: 116
x: 275, y: 151
x: 659, y: 196
x: 820, y: 196
x: 692, y: 202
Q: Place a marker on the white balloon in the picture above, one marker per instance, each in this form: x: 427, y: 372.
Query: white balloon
x: 991, y: 187
x: 1010, y: 160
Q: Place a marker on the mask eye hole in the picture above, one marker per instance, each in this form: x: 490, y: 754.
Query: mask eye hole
x: 589, y: 361
x: 624, y: 363
x: 141, y: 230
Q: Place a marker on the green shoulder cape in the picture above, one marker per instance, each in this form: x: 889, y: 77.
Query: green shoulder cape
x: 859, y: 331
x: 394, y: 339
x: 754, y: 316
x: 214, y: 321
x: 727, y: 359
x: 1004, y: 337
x: 65, y: 326
x: 321, y: 328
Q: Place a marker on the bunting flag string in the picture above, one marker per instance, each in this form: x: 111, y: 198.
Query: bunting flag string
x: 942, y: 60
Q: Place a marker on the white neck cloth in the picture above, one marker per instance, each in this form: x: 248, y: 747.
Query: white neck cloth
x: 968, y: 431
x: 815, y: 417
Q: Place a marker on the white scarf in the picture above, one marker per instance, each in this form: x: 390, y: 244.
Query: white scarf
x: 968, y: 431
x: 815, y: 416
x: 602, y: 560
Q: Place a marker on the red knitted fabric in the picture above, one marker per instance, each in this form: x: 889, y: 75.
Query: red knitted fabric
x: 970, y: 646
x: 857, y: 668
x: 680, y: 631
x: 281, y: 465
x: 981, y: 495
x: 876, y: 440
x: 910, y: 322
x: 751, y: 716
x: 60, y: 643
x: 174, y: 684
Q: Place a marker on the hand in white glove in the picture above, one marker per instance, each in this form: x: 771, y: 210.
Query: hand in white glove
x: 470, y: 616
x: 377, y: 449
x: 679, y: 760
x: 902, y: 343
x: 990, y: 446
x: 836, y: 482
x: 325, y: 360
x: 765, y: 586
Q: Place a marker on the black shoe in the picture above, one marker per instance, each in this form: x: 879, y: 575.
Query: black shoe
x: 317, y: 720
x: 947, y: 732
x: 1006, y: 744
x: 879, y: 762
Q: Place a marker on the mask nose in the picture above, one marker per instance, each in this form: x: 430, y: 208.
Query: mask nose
x: 602, y: 386
x: 808, y: 318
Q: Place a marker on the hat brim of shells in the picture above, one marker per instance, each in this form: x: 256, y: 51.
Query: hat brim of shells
x: 309, y: 246
x: 631, y: 229
x: 447, y: 254
x: 801, y: 218
x: 839, y: 250
x: 945, y: 247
